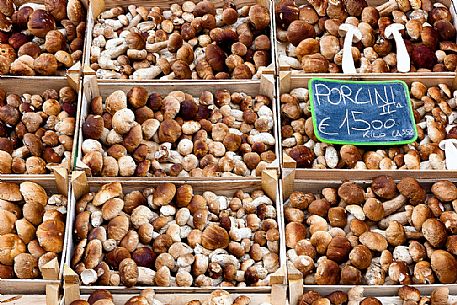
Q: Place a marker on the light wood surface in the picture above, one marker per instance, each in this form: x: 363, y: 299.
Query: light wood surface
x: 23, y: 299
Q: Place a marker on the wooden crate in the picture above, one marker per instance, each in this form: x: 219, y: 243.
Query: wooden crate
x: 96, y: 7
x: 81, y: 185
x: 74, y: 71
x: 94, y: 87
x: 387, y: 295
x: 48, y: 285
x: 296, y: 285
x: 36, y: 85
x: 183, y: 298
x: 288, y: 81
x: 281, y: 49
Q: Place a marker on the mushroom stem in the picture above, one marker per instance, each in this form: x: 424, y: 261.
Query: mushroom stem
x: 387, y: 8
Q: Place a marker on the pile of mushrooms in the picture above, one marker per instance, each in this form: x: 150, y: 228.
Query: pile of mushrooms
x: 310, y: 39
x: 388, y: 233
x: 188, y: 41
x: 40, y: 39
x: 32, y: 227
x: 140, y: 134
x: 170, y: 236
x: 408, y: 295
x: 148, y: 297
x: 435, y: 113
x: 36, y: 131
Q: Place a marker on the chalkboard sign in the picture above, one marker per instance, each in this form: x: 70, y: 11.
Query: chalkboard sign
x: 362, y: 112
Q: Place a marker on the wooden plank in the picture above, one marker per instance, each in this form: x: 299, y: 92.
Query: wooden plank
x: 52, y: 294
x: 69, y: 276
x: 20, y: 286
x: 79, y: 184
x: 295, y: 291
x: 22, y: 84
x: 62, y: 180
x: 12, y: 299
x: 288, y: 178
x: 278, y: 294
x: 50, y: 270
x: 270, y: 183
x: 183, y: 298
x: 71, y: 293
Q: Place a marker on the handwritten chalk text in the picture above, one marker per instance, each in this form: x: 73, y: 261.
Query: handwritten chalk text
x: 362, y: 111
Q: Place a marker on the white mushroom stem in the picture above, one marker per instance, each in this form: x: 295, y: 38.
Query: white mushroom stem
x: 88, y: 276
x: 401, y: 217
x: 146, y: 276
x: 403, y: 60
x: 450, y: 150
x: 391, y: 206
x: 353, y: 34
x: 147, y: 73
x: 156, y: 47
x: 388, y: 7
x: 289, y: 61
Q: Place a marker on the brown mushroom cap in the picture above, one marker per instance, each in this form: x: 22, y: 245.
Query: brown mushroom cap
x: 384, y: 187
x: 299, y: 30
x: 7, y: 221
x: 338, y: 249
x: 26, y: 266
x: 50, y: 235
x: 10, y: 246
x: 99, y: 294
x: 327, y: 273
x: 444, y: 265
x: 444, y: 190
x: 434, y: 232
x: 411, y: 189
x: 128, y: 271
x: 10, y: 191
x: 294, y: 233
x: 40, y: 23
x: 215, y: 237
x: 351, y: 193
x: 164, y: 194
x: 33, y: 193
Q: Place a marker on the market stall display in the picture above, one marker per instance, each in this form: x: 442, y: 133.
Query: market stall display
x: 207, y: 40
x: 43, y: 38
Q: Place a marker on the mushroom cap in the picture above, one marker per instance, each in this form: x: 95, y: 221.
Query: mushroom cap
x: 10, y: 191
x: 33, y: 193
x: 40, y: 23
x: 106, y: 192
x: 5, y: 23
x: 26, y: 266
x: 50, y: 235
x: 10, y: 246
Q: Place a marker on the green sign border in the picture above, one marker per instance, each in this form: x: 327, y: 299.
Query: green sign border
x: 313, y: 114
